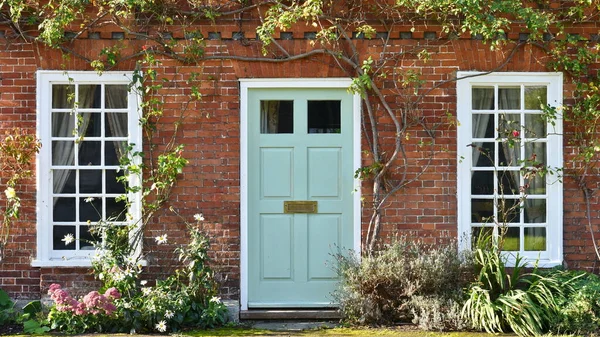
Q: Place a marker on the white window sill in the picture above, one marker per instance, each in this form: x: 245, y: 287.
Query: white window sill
x: 87, y: 263
x: 62, y: 263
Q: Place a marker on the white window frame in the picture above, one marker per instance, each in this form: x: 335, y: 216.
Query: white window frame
x: 46, y: 256
x: 553, y: 255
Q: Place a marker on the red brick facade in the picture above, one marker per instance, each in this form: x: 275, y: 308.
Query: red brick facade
x: 426, y: 208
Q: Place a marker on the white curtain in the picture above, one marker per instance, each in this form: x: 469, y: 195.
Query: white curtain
x: 64, y: 124
x: 269, y: 116
x: 116, y: 96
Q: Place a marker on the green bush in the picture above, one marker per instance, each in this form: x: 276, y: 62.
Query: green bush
x: 580, y: 311
x: 7, y: 313
x: 525, y: 302
x: 379, y: 289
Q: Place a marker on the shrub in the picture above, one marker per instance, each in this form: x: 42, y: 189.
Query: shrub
x: 6, y: 308
x: 379, y: 289
x: 525, y: 302
x: 438, y: 313
x: 580, y: 311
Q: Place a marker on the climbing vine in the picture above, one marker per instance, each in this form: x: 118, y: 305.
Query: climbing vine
x: 341, y: 28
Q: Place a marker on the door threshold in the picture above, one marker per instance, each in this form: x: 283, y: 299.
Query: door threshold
x: 291, y: 314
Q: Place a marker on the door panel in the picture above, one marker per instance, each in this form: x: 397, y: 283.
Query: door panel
x: 299, y: 149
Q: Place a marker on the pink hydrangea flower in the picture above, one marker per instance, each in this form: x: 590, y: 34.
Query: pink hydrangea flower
x: 53, y: 287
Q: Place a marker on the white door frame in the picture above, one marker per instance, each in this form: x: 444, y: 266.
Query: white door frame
x: 245, y: 85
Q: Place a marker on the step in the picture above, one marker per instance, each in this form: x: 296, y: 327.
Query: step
x: 282, y: 314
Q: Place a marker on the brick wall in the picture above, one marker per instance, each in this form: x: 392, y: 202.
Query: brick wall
x: 210, y: 184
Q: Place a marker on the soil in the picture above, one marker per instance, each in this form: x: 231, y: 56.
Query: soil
x: 11, y: 329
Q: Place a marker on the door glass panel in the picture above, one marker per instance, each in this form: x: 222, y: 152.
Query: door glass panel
x: 535, y: 97
x: 276, y: 116
x: 324, y: 117
x: 535, y: 239
x: 509, y: 98
x: 483, y: 98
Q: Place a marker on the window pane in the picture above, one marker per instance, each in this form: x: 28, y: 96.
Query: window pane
x: 63, y: 181
x: 482, y: 183
x: 63, y: 210
x: 535, y: 98
x: 535, y: 153
x: 508, y: 182
x: 90, y: 124
x: 89, y: 153
x: 63, y: 96
x: 482, y: 98
x: 116, y: 210
x: 535, y: 126
x: 116, y: 96
x: 511, y: 238
x: 324, y: 117
x: 483, y: 154
x: 276, y: 116
x: 114, y: 151
x: 87, y: 239
x: 58, y: 234
x: 509, y: 211
x: 535, y: 210
x: 509, y: 126
x: 535, y: 239
x: 63, y: 124
x: 116, y: 124
x: 535, y: 184
x: 90, y: 209
x: 90, y: 181
x: 480, y: 233
x: 482, y: 210
x: 112, y: 185
x: 483, y: 126
x: 62, y: 152
x: 509, y: 154
x: 509, y: 98
x: 89, y: 96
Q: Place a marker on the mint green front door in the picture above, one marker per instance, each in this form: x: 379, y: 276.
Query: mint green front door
x: 300, y: 151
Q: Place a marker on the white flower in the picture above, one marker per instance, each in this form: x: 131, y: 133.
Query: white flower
x: 10, y: 193
x: 169, y: 314
x: 161, y: 239
x: 199, y: 217
x: 146, y: 291
x: 143, y: 282
x: 68, y: 239
x: 161, y: 326
x: 152, y: 308
x: 119, y: 277
x: 90, y: 199
x: 127, y: 305
x: 215, y: 299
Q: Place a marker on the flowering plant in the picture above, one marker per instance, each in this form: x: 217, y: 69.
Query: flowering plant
x: 94, y: 312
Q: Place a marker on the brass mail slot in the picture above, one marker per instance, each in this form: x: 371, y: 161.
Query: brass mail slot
x: 300, y: 207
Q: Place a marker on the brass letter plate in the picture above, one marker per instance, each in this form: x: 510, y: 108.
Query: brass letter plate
x: 300, y: 207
